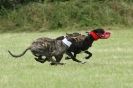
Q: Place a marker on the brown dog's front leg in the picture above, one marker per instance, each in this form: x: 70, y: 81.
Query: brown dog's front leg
x: 69, y: 55
x: 89, y: 54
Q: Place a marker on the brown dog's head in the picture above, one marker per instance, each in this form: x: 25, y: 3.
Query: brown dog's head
x: 99, y: 34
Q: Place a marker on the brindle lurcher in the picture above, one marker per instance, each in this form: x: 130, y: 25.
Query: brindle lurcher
x: 48, y: 47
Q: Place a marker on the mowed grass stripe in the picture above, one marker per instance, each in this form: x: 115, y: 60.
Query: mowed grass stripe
x: 110, y: 67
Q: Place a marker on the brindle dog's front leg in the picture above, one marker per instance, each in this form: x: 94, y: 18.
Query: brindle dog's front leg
x: 39, y: 59
x: 89, y: 54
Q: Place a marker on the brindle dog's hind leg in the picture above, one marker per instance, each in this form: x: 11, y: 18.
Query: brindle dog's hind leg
x: 39, y: 59
x: 58, y: 59
x: 53, y: 62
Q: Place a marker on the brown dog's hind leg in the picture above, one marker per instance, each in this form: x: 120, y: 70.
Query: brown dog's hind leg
x: 74, y: 58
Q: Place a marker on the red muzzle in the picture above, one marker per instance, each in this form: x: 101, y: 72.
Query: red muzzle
x: 97, y: 36
x: 106, y: 35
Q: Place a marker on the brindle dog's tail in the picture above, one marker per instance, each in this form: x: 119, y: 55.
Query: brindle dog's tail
x: 19, y: 54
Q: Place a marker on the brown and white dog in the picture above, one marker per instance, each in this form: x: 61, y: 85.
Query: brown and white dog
x: 85, y: 42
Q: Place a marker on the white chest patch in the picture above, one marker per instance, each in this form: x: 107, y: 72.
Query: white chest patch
x: 65, y: 41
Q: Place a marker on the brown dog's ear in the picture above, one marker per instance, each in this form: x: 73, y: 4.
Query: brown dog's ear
x: 91, y: 29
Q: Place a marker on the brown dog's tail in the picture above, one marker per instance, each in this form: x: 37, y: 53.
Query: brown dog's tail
x: 19, y: 54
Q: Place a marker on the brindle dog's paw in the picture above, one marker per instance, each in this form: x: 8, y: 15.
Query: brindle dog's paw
x: 62, y: 63
x: 57, y: 63
x: 53, y: 64
x: 41, y: 61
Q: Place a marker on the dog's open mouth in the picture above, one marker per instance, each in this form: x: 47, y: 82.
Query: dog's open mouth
x: 106, y: 35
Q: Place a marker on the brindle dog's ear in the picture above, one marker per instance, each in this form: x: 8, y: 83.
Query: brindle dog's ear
x: 60, y: 38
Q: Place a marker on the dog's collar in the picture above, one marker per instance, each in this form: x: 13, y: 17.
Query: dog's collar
x: 66, y: 42
x: 94, y: 35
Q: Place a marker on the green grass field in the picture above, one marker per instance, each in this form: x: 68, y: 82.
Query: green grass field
x: 110, y: 67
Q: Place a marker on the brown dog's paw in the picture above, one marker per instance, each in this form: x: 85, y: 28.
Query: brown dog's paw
x: 67, y: 58
x: 83, y: 62
x: 87, y: 57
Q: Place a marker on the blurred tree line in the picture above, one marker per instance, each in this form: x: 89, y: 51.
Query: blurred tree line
x: 31, y: 15
x: 13, y: 3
